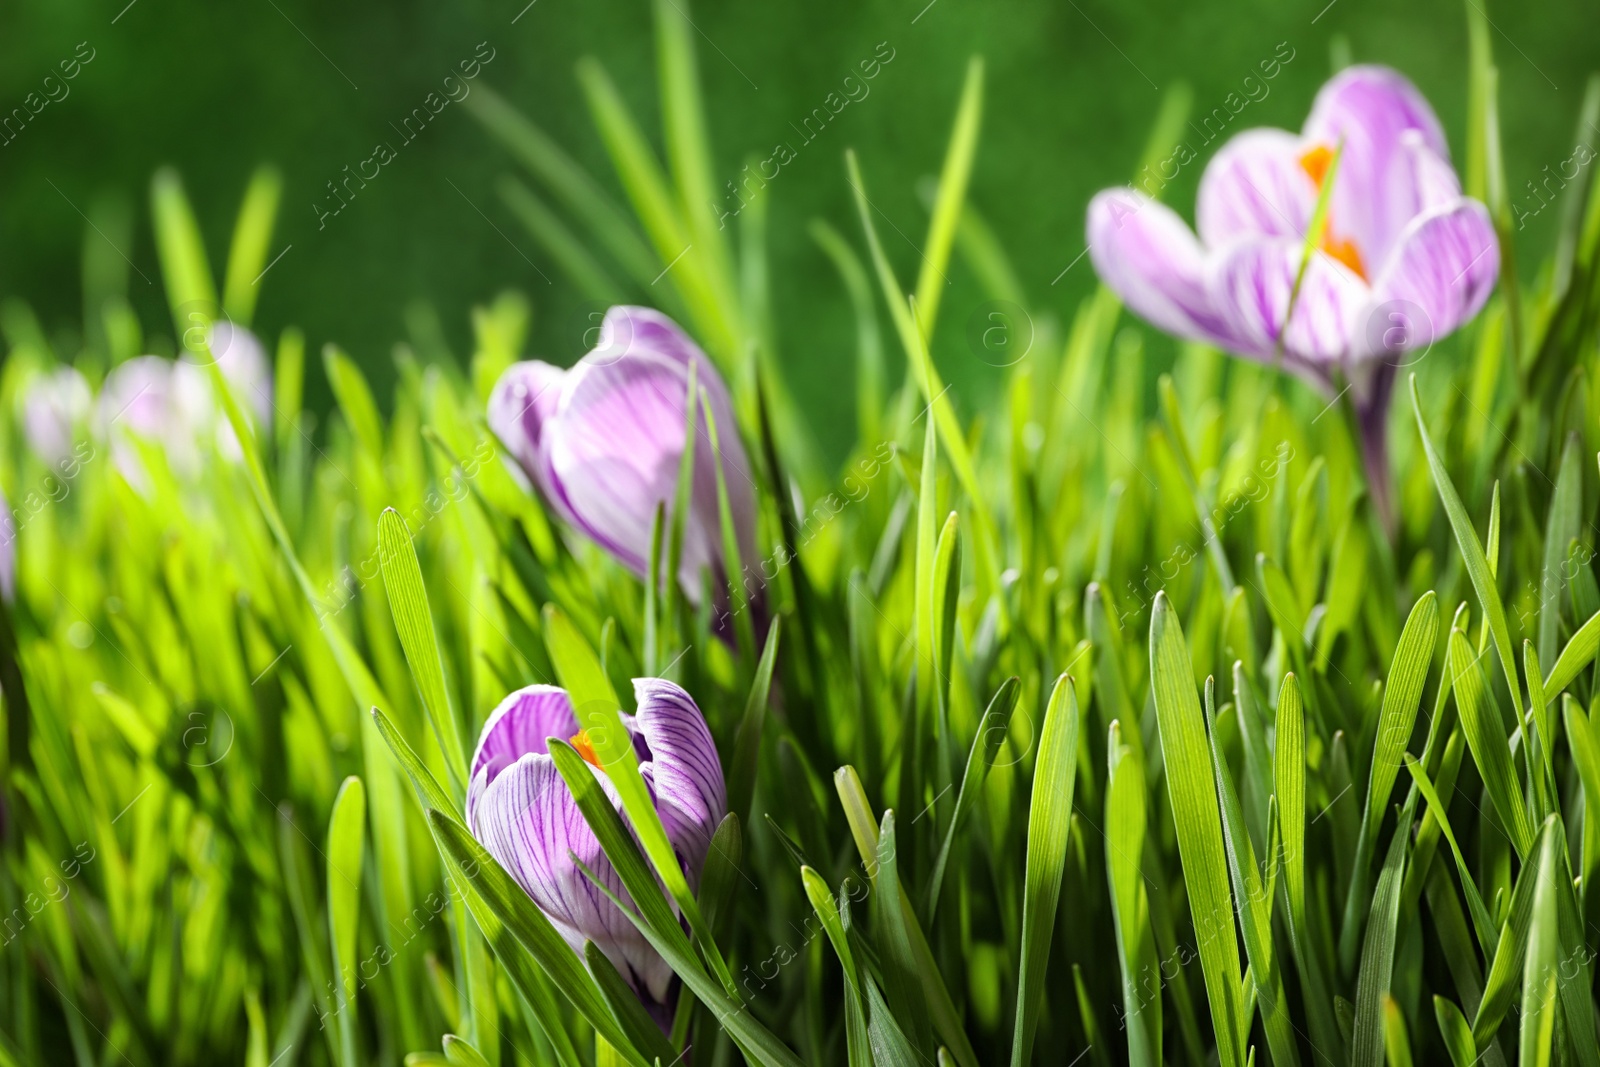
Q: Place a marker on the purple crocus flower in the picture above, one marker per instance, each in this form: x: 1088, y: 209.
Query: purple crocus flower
x: 602, y: 442
x: 8, y: 552
x: 521, y: 811
x: 55, y: 410
x: 1404, y: 258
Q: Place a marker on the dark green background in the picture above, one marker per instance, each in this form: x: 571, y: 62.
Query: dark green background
x: 216, y: 88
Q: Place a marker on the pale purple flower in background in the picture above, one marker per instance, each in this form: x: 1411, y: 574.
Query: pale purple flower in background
x: 521, y: 811
x: 8, y: 551
x: 602, y: 442
x: 1404, y: 258
x: 55, y: 411
x: 137, y: 405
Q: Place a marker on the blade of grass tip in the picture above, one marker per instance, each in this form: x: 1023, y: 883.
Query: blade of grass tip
x: 1136, y: 947
x: 1539, y: 1003
x: 653, y: 201
x: 953, y: 178
x: 1578, y: 654
x: 1402, y: 695
x: 756, y: 1042
x: 869, y: 344
x: 992, y: 730
x: 1561, y: 526
x: 864, y: 830
x: 857, y: 1043
x: 1500, y: 986
x: 1192, y: 792
x: 191, y: 292
x: 927, y: 377
x: 1049, y: 819
x: 459, y: 1052
x: 897, y: 959
x: 355, y: 399
x: 1255, y: 905
x: 1455, y: 1032
x: 598, y: 713
x: 927, y: 527
x: 688, y: 146
x: 1482, y: 924
x: 247, y: 255
x: 413, y: 619
x: 1491, y: 750
x: 1395, y: 1042
x: 1377, y: 953
x: 521, y: 935
x: 747, y: 740
x: 1477, y: 564
x: 344, y: 906
x: 946, y: 598
x: 567, y: 180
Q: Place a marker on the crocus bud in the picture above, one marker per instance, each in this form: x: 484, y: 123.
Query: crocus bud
x: 602, y: 442
x: 520, y: 809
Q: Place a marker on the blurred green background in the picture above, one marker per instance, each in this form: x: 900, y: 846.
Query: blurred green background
x: 217, y: 88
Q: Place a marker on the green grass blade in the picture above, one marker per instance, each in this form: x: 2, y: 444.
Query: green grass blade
x: 1377, y: 952
x: 1578, y: 654
x: 1136, y: 947
x: 644, y: 1035
x: 345, y: 842
x: 857, y: 1042
x: 247, y: 254
x: 1455, y: 1032
x: 931, y: 279
x: 986, y: 744
x: 1491, y: 749
x: 1049, y: 819
x: 1561, y: 526
x: 1539, y: 1001
x: 747, y: 741
x: 1192, y: 792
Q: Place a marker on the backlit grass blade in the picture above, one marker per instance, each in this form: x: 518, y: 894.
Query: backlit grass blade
x: 642, y: 1031
x: 1472, y: 556
x: 248, y: 251
x: 1049, y: 819
x: 1481, y: 922
x: 1402, y: 694
x: 857, y: 1042
x: 408, y: 601
x: 1455, y: 1032
x: 1501, y: 983
x: 1577, y: 655
x: 1377, y: 952
x: 896, y: 958
x: 1192, y: 792
x: 1561, y: 526
x: 931, y: 279
x: 1539, y: 999
x: 747, y: 741
x: 345, y: 842
x: 1136, y: 947
x: 986, y: 744
x: 191, y: 287
x: 1491, y: 750
x: 570, y: 251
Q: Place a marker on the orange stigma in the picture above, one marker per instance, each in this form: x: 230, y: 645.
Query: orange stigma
x: 1316, y: 162
x: 585, y: 747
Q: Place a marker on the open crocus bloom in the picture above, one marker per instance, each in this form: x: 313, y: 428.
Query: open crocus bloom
x: 603, y: 441
x: 521, y: 811
x: 1404, y: 258
x: 55, y: 410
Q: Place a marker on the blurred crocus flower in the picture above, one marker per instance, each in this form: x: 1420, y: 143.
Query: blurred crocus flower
x: 8, y: 551
x: 603, y: 441
x: 1403, y: 260
x: 521, y: 811
x: 173, y: 403
x: 55, y: 411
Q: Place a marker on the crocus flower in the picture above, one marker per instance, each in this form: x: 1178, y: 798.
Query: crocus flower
x: 521, y: 811
x: 8, y: 552
x: 55, y: 409
x: 1403, y: 260
x: 602, y: 442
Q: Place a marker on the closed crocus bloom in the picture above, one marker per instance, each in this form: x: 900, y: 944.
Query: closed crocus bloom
x: 1403, y: 260
x: 602, y: 442
x: 55, y: 410
x: 136, y: 405
x: 521, y: 811
x: 8, y: 551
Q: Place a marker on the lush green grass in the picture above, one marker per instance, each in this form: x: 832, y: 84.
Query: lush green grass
x: 1107, y: 725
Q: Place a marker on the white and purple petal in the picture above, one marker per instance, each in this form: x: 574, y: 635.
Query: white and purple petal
x: 1255, y: 187
x: 521, y: 724
x: 1254, y: 283
x: 686, y: 772
x: 1150, y: 258
x: 1371, y: 110
x: 55, y: 409
x: 1443, y: 268
x: 528, y: 821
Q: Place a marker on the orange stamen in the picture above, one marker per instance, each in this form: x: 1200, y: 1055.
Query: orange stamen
x: 585, y: 748
x: 1315, y: 162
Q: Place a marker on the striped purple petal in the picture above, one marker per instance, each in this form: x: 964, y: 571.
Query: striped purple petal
x: 1255, y: 187
x: 1371, y: 110
x: 1254, y: 283
x: 684, y: 769
x: 1444, y: 266
x: 1152, y: 261
x: 527, y: 820
x: 520, y: 725
x: 521, y: 403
